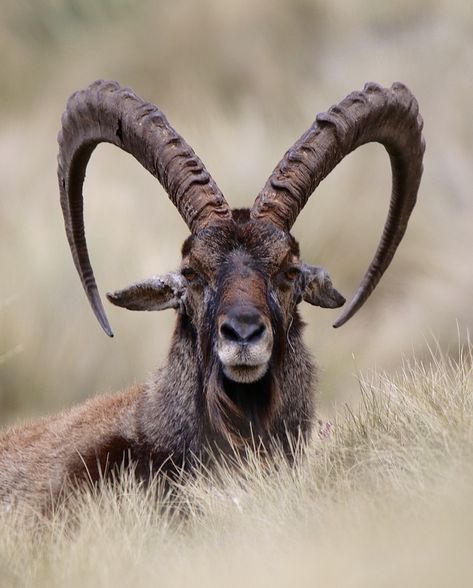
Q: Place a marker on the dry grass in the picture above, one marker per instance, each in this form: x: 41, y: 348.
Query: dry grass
x: 386, y: 501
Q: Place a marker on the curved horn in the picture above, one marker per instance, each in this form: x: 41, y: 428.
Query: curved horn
x: 106, y: 112
x: 388, y: 116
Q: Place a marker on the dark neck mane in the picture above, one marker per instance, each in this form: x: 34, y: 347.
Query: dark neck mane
x: 252, y: 402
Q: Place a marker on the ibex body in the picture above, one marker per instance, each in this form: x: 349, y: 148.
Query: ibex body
x: 237, y: 368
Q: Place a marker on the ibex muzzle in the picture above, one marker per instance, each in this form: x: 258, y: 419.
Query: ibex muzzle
x: 245, y: 336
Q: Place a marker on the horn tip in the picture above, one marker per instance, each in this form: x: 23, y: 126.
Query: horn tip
x: 341, y: 320
x: 104, y: 323
x: 107, y: 328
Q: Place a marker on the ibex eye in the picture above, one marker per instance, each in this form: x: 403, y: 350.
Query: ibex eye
x: 292, y: 273
x: 189, y: 274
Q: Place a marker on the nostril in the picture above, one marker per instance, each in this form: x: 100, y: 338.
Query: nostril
x: 241, y: 331
x: 256, y: 334
x: 228, y: 332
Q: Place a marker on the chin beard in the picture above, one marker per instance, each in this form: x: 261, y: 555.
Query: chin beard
x: 242, y: 409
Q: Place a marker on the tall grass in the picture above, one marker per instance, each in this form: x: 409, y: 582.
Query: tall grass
x: 384, y: 501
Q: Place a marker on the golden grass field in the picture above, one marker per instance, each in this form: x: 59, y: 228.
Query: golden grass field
x: 387, y: 500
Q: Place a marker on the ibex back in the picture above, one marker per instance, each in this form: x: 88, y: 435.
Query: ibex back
x: 237, y: 368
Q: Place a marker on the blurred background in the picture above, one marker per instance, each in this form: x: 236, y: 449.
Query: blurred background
x: 241, y: 81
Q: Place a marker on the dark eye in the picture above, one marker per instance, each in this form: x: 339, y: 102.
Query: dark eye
x: 189, y: 274
x: 292, y: 273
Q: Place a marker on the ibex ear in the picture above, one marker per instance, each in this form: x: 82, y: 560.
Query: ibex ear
x: 319, y: 289
x: 156, y: 293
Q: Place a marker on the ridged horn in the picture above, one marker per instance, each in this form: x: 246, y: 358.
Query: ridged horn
x: 387, y: 116
x: 106, y: 112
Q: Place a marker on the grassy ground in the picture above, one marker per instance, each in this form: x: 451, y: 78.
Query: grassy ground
x: 385, y: 501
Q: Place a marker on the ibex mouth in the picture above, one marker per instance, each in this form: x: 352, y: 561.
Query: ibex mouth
x: 245, y: 374
x: 244, y: 364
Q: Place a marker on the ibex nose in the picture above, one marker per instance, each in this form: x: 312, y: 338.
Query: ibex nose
x: 243, y: 326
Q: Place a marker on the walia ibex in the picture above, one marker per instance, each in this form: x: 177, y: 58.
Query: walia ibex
x: 237, y: 367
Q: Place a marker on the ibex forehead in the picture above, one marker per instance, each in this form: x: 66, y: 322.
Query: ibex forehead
x: 255, y: 240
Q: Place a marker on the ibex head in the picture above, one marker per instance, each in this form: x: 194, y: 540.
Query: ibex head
x: 239, y: 283
x: 241, y: 277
